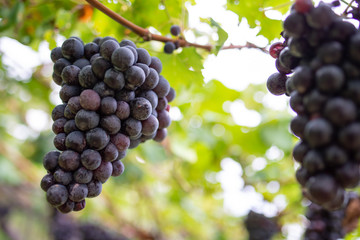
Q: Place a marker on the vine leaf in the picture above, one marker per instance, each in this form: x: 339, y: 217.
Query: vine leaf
x: 223, y: 36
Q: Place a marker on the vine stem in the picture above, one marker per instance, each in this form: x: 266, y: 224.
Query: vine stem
x: 347, y: 8
x: 148, y: 36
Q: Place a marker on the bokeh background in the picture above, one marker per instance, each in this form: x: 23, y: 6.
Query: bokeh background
x: 228, y: 149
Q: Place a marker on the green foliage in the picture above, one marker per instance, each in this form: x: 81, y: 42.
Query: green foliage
x: 169, y: 189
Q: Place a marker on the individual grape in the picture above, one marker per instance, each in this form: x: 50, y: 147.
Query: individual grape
x: 70, y: 74
x: 144, y: 67
x: 111, y: 124
x: 340, y: 111
x: 72, y: 49
x: 140, y: 108
x: 134, y: 143
x: 69, y: 91
x: 56, y: 54
x: 91, y: 159
x: 104, y: 39
x: 109, y: 153
x: 330, y: 78
x: 313, y: 161
x: 341, y: 31
x: 122, y: 58
x: 295, y: 25
x: 94, y: 188
x: 63, y: 177
x: 149, y: 126
x: 97, y: 138
x: 78, y: 192
x: 81, y: 63
x: 121, y: 141
x: 50, y: 160
x: 58, y: 125
x: 297, y: 125
x: 103, y: 90
x: 121, y: 155
x: 160, y: 135
x: 103, y: 172
x: 135, y: 76
x: 68, y: 114
x: 59, y: 141
x: 314, y: 101
x: 281, y: 68
x: 302, y: 79
x: 108, y: 106
x: 133, y: 50
x: 69, y: 160
x: 151, y: 81
x: 300, y: 150
x: 302, y: 176
x: 90, y: 49
x: 122, y: 110
x: 79, y: 205
x: 86, y: 120
x: 330, y: 52
x: 114, y: 79
x: 118, y: 168
x: 87, y: 78
x: 299, y: 47
x: 143, y: 56
x: 164, y: 119
x: 349, y: 136
x: 287, y: 60
x: 348, y: 175
x: 125, y: 95
x: 169, y: 47
x: 151, y: 97
x: 296, y: 102
x: 127, y: 42
x: 83, y: 175
x: 352, y: 91
x: 276, y: 84
x: 303, y: 6
x: 74, y: 104
x: 175, y: 30
x: 171, y: 95
x: 57, y: 195
x: 57, y: 79
x: 107, y: 48
x: 67, y: 207
x: 94, y: 57
x: 275, y: 49
x: 162, y: 88
x: 131, y: 127
x: 156, y: 64
x: 322, y: 188
x: 335, y: 156
x: 90, y: 100
x: 47, y: 181
x: 320, y: 17
x: 75, y: 141
x: 59, y: 65
x: 99, y: 66
x: 318, y: 132
x: 77, y: 38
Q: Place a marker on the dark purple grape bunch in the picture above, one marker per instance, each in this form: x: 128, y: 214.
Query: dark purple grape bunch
x: 169, y: 46
x: 260, y: 227
x: 114, y: 98
x: 318, y: 67
x: 323, y: 224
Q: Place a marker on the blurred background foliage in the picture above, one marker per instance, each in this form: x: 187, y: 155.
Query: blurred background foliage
x: 173, y: 190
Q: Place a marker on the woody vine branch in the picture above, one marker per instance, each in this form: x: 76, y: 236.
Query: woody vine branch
x: 148, y: 36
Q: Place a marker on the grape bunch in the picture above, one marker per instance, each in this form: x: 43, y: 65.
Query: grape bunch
x: 318, y: 67
x: 114, y: 98
x: 324, y: 224
x: 260, y: 227
x: 169, y: 46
